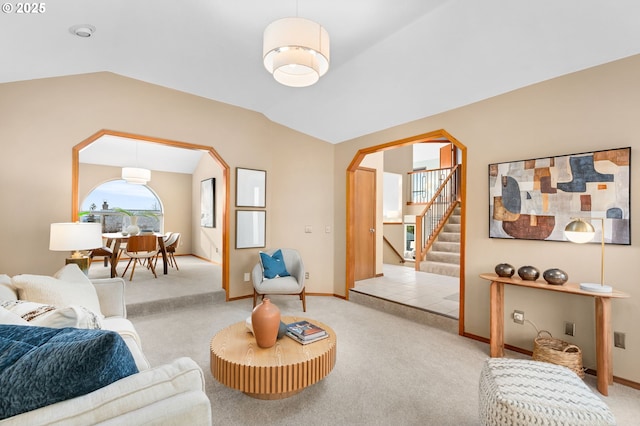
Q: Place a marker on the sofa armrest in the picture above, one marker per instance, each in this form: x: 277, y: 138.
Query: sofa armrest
x: 168, y: 394
x: 111, y: 296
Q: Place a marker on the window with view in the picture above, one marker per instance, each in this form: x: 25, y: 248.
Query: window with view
x: 116, y: 202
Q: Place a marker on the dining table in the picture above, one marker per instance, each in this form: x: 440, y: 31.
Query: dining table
x: 116, y: 238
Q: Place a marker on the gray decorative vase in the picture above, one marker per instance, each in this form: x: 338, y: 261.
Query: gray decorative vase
x: 505, y: 270
x: 555, y: 276
x: 528, y: 273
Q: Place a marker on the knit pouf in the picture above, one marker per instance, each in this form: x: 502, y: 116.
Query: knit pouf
x: 524, y: 392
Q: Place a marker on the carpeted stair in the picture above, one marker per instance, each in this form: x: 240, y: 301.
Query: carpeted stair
x: 444, y: 256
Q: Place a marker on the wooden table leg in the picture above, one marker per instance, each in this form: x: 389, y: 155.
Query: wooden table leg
x: 163, y: 250
x: 604, y: 354
x: 114, y: 256
x: 496, y: 315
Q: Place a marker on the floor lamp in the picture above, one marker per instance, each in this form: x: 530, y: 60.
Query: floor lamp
x: 579, y: 231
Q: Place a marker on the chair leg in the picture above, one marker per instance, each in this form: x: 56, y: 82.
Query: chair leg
x: 255, y: 296
x: 175, y: 263
x: 133, y: 269
x: 127, y: 267
x: 153, y: 268
x: 303, y: 297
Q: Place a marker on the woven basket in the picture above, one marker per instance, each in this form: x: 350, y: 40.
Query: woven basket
x: 556, y: 351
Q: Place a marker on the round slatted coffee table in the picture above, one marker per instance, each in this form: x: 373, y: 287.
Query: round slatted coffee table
x: 272, y: 373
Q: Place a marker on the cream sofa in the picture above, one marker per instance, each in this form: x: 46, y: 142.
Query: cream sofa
x: 165, y: 395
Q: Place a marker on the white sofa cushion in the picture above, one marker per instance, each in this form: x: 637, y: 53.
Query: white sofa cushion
x: 44, y: 315
x: 7, y: 291
x: 8, y: 317
x: 69, y: 286
x: 168, y: 394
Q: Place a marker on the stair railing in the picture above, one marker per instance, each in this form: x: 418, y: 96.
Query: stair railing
x: 431, y: 220
x: 395, y: 251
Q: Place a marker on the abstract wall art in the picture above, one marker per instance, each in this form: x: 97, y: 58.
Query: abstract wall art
x: 535, y: 199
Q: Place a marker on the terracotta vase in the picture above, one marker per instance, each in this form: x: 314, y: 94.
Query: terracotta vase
x: 265, y: 320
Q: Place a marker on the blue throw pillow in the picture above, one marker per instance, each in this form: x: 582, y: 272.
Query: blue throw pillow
x: 40, y: 366
x: 273, y: 266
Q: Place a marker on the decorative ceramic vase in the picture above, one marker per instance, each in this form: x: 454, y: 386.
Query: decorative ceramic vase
x: 265, y: 320
x: 555, y: 276
x: 529, y: 273
x: 133, y: 229
x: 505, y: 270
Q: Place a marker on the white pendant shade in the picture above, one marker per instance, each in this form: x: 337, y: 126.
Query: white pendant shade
x: 136, y: 175
x: 296, y: 51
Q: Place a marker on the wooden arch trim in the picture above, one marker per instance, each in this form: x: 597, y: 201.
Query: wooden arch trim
x: 435, y: 136
x: 75, y: 175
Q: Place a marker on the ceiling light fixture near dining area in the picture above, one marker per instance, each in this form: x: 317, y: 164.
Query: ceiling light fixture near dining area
x: 136, y: 175
x: 296, y: 51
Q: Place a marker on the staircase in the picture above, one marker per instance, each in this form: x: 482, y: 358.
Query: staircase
x: 444, y: 256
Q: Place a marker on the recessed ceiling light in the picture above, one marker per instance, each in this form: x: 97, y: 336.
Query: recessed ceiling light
x: 83, y: 30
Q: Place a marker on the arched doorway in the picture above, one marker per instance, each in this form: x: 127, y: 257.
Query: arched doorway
x: 75, y: 175
x: 436, y: 136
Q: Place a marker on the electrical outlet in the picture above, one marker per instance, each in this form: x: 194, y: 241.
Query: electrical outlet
x: 618, y: 340
x: 306, y: 275
x: 569, y: 328
x: 246, y: 277
x: 518, y: 317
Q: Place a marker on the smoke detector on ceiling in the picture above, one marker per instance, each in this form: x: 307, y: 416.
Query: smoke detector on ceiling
x: 83, y: 30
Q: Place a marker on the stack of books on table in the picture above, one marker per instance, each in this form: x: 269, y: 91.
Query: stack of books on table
x: 305, y: 332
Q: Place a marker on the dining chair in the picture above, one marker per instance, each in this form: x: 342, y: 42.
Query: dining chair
x: 106, y: 252
x: 170, y: 246
x: 141, y: 248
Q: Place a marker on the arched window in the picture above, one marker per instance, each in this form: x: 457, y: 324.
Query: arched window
x: 115, y: 202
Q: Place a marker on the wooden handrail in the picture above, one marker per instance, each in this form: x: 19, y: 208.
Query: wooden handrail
x: 394, y: 249
x: 440, y: 189
x: 421, y: 249
x: 443, y: 222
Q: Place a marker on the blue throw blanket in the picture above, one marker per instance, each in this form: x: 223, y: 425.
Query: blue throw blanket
x: 40, y: 366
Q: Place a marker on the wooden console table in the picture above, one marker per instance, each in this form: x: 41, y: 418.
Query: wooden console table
x: 604, y: 355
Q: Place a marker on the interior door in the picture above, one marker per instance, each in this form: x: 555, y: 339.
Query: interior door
x: 447, y: 156
x: 365, y: 223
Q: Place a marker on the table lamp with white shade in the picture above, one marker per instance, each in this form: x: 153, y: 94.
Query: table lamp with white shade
x: 75, y: 237
x: 579, y: 231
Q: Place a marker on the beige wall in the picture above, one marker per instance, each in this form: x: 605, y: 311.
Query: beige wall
x: 591, y: 110
x: 400, y: 161
x: 207, y: 242
x: 43, y: 119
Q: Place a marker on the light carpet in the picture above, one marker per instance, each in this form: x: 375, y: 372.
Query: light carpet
x: 389, y: 370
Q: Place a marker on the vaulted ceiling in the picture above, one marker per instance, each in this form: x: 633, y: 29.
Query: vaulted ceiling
x: 392, y: 61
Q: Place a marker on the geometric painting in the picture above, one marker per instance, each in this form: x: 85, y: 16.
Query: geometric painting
x: 535, y: 199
